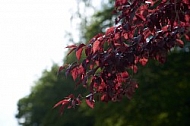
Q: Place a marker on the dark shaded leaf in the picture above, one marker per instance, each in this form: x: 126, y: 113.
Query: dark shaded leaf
x: 180, y: 43
x: 143, y: 61
x: 74, y: 73
x: 71, y: 46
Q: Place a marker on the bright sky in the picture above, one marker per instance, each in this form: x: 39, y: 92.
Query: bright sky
x: 31, y: 39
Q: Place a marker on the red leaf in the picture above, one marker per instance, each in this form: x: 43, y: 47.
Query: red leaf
x: 110, y: 30
x: 102, y: 86
x: 96, y: 45
x: 71, y: 46
x: 80, y: 70
x: 187, y: 36
x: 70, y: 96
x: 186, y: 1
x: 74, y: 73
x: 180, y: 43
x: 79, y: 51
x: 139, y: 17
x: 125, y: 75
x: 126, y: 36
x: 165, y: 28
x: 90, y: 100
x: 57, y: 104
x: 61, y: 68
x: 117, y: 36
x: 62, y: 102
x: 61, y: 109
x: 90, y: 103
x: 104, y: 98
x: 187, y: 18
x: 143, y: 61
x: 78, y: 101
x: 120, y: 2
x: 145, y: 13
x: 72, y: 66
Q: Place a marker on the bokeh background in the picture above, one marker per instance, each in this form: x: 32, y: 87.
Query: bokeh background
x: 34, y: 34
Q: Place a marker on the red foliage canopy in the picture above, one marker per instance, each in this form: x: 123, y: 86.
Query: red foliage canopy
x: 144, y: 29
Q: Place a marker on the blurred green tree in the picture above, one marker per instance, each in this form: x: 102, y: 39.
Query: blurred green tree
x: 37, y: 108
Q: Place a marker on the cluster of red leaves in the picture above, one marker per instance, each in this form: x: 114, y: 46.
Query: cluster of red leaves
x: 69, y: 102
x: 144, y: 29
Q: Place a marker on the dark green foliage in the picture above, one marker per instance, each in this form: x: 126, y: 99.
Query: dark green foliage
x: 37, y: 108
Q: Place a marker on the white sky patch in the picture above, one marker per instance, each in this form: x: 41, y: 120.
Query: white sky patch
x: 31, y: 39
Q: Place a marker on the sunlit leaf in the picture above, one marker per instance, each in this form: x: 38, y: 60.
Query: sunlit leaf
x: 79, y: 51
x: 180, y: 43
x: 90, y: 103
x: 96, y: 46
